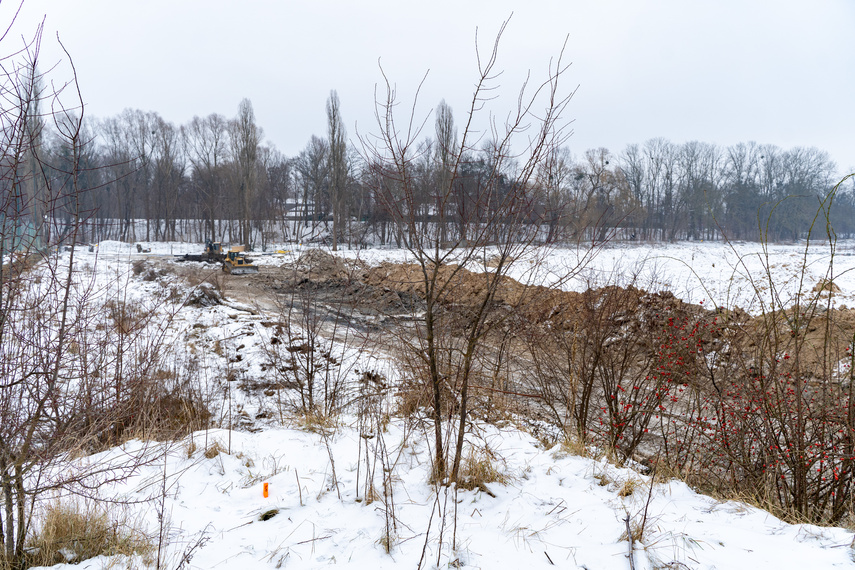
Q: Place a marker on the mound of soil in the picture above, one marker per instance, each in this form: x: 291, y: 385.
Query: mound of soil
x: 204, y: 295
x: 398, y: 289
x: 822, y: 337
x: 826, y: 286
x: 318, y: 265
x: 812, y: 336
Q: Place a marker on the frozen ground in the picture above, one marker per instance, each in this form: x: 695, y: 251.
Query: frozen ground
x: 554, y: 508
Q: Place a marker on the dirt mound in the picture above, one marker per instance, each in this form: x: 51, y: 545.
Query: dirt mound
x: 204, y: 295
x: 806, y: 339
x: 396, y: 289
x: 826, y: 286
x: 452, y: 284
x: 819, y: 337
x: 461, y: 288
x: 318, y: 265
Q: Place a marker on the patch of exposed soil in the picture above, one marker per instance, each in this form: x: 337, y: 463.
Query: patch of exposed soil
x: 813, y: 335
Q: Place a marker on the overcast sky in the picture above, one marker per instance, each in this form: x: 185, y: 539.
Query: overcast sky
x: 723, y: 71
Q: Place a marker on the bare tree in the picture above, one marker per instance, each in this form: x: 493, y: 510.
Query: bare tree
x: 168, y: 179
x: 554, y: 178
x: 276, y: 191
x: 338, y: 166
x: 207, y: 147
x: 499, y: 226
x: 37, y: 316
x: 73, y: 356
x: 245, y: 139
x: 141, y: 128
x: 311, y: 167
x: 446, y: 146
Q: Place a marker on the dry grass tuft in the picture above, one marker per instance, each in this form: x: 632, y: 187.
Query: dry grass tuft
x: 636, y: 530
x: 602, y: 479
x: 372, y: 495
x: 73, y: 532
x: 629, y: 486
x: 190, y: 450
x: 214, y: 450
x: 479, y: 468
x: 570, y: 445
x: 318, y: 423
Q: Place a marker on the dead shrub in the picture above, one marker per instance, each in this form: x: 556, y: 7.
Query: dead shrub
x: 415, y: 393
x: 151, y: 410
x: 176, y: 415
x: 128, y: 318
x: 315, y: 422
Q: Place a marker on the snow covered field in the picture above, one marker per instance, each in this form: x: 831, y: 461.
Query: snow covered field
x: 554, y: 509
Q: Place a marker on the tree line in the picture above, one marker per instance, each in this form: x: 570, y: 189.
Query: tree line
x: 215, y: 177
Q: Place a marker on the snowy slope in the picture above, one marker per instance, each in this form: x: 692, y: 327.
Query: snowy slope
x: 556, y: 507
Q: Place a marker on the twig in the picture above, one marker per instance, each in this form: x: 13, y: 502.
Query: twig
x: 332, y: 463
x: 631, y: 545
x: 649, y: 497
x: 313, y: 540
x: 191, y: 550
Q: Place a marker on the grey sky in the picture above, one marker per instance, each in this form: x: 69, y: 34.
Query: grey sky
x: 771, y: 71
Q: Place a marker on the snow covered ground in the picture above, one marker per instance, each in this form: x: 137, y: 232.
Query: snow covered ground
x: 554, y: 509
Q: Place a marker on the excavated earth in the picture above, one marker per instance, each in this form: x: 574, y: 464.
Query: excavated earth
x: 529, y: 325
x: 381, y: 297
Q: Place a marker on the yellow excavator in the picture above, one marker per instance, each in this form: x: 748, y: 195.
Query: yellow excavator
x: 234, y: 261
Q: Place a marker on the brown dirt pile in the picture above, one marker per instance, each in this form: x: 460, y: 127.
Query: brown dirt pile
x: 822, y: 337
x: 813, y: 335
x: 318, y: 265
x: 396, y: 287
x: 562, y: 309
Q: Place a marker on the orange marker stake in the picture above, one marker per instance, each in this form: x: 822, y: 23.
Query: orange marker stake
x: 265, y: 490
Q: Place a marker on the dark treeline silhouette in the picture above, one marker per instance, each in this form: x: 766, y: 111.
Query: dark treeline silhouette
x: 215, y: 177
